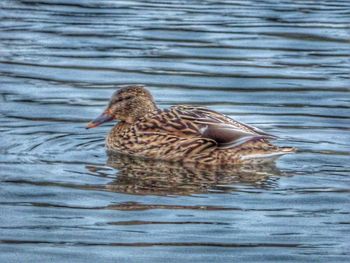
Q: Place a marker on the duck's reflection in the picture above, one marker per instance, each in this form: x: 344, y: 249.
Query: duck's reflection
x: 140, y: 176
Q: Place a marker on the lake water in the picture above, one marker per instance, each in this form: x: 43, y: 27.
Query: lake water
x: 282, y: 66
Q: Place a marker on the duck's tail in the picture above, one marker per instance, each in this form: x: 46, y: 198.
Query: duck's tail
x: 269, y: 156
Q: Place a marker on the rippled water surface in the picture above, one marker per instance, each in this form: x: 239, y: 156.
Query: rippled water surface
x: 282, y: 66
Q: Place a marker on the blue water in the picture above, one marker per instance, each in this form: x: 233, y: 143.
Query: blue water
x: 282, y: 66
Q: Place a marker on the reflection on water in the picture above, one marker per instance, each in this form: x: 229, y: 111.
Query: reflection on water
x: 282, y: 66
x: 149, y: 177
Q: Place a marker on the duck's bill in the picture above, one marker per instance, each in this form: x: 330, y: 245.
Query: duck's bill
x: 104, y: 117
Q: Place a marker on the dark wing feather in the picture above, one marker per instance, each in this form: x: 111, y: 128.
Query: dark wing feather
x: 229, y: 137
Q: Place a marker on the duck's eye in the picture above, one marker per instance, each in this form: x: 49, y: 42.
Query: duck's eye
x: 116, y: 100
x: 127, y: 97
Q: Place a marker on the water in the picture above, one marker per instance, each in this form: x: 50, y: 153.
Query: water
x: 281, y: 66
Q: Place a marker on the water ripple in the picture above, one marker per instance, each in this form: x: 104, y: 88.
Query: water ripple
x: 281, y: 66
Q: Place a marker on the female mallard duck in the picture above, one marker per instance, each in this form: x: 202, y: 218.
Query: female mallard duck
x: 181, y: 133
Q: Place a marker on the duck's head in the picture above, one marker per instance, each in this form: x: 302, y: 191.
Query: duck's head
x: 127, y: 104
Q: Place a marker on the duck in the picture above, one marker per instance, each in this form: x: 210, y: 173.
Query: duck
x: 181, y: 133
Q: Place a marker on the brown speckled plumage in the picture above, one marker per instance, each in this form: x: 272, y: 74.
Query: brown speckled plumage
x: 181, y: 133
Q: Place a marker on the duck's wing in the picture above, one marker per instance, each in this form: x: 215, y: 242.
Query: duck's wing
x: 190, y: 121
x: 205, y: 115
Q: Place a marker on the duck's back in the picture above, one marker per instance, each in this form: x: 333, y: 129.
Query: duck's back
x: 193, y: 134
